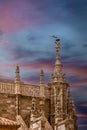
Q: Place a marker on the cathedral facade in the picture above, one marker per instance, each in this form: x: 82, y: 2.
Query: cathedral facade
x: 39, y: 107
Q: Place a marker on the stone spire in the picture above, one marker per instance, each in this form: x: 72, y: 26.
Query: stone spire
x: 17, y: 90
x: 42, y: 77
x: 17, y: 78
x: 42, y: 91
x: 58, y: 65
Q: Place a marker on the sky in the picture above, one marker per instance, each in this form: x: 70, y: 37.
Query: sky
x: 26, y: 29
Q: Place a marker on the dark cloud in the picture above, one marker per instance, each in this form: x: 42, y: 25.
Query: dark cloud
x: 35, y: 77
x: 81, y: 109
x: 85, y: 45
x: 26, y: 53
x: 46, y: 60
x: 32, y: 78
x: 34, y: 39
x: 67, y: 46
x: 76, y: 79
x: 21, y: 52
x: 62, y: 10
x: 31, y: 38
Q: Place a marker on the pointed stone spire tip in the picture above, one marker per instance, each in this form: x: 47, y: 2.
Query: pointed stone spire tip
x: 42, y: 72
x: 57, y: 42
x: 17, y: 69
x: 42, y: 77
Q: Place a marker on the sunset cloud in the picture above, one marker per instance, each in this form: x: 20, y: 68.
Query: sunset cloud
x: 16, y: 15
x: 26, y: 29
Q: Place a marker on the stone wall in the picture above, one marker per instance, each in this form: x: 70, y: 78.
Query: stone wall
x: 8, y: 100
x: 7, y: 106
x: 25, y: 107
x: 47, y: 109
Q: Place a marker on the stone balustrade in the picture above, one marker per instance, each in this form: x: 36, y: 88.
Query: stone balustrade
x: 26, y: 89
x: 30, y: 90
x: 7, y: 87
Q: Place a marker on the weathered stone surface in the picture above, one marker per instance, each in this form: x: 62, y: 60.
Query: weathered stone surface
x: 8, y: 105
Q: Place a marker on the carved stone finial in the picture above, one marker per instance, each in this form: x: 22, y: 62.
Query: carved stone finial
x: 17, y: 69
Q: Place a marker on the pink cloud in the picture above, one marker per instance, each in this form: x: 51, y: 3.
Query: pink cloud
x: 82, y: 125
x: 78, y: 84
x: 4, y: 41
x: 77, y: 72
x: 82, y: 115
x: 44, y: 65
x: 84, y: 105
x: 74, y: 71
x: 17, y: 15
x: 5, y: 76
x: 7, y: 66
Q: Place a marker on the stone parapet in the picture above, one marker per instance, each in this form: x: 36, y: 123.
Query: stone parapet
x: 6, y: 87
x: 25, y: 89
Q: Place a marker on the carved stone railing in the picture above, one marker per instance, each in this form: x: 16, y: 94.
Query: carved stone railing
x: 26, y: 89
x: 6, y: 87
x: 29, y: 90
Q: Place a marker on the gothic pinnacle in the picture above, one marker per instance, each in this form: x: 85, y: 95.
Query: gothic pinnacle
x: 42, y: 84
x: 17, y: 78
x: 42, y: 77
x: 57, y: 42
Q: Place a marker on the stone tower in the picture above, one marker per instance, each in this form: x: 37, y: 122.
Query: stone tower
x: 39, y: 107
x: 63, y: 114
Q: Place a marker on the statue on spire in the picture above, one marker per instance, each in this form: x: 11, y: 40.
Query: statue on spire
x: 57, y: 45
x: 58, y: 65
x: 57, y: 41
